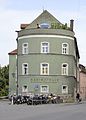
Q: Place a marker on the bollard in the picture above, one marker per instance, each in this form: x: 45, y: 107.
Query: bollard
x: 12, y: 102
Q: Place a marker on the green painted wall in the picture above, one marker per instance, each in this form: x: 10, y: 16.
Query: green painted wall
x: 55, y: 63
x: 55, y: 45
x: 54, y: 82
x: 55, y: 58
x: 12, y: 74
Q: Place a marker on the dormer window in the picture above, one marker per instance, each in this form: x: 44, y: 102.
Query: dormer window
x: 44, y: 25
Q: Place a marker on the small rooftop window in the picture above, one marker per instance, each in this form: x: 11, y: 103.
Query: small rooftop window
x: 44, y: 25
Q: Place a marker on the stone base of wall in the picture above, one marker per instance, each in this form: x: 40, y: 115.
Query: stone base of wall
x: 67, y: 98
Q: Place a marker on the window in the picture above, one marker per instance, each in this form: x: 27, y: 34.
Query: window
x: 64, y: 69
x: 44, y: 25
x: 65, y: 48
x: 25, y: 88
x: 44, y: 47
x: 24, y: 68
x: 25, y: 48
x: 44, y: 88
x: 64, y: 89
x: 44, y: 69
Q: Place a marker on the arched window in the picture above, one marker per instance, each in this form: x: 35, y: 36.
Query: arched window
x: 64, y: 89
x: 25, y: 68
x: 64, y: 69
x: 44, y: 69
x: 65, y: 48
x: 44, y: 47
x: 25, y: 88
x: 25, y: 48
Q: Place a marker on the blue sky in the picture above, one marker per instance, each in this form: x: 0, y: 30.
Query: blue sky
x: 33, y: 4
x: 15, y: 12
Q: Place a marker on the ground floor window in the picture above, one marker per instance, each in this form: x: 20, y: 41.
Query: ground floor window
x: 44, y: 88
x: 25, y: 88
x: 64, y: 89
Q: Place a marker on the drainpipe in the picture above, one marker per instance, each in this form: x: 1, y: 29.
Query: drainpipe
x: 17, y: 83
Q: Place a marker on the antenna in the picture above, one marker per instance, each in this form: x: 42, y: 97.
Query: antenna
x: 43, y: 8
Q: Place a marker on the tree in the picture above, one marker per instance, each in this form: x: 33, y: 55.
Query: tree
x: 4, y: 80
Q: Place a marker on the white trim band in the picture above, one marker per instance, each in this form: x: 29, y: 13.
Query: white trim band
x: 53, y: 36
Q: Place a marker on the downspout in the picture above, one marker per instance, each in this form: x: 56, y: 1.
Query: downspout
x: 17, y: 82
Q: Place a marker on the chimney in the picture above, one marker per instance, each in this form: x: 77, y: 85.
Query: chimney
x: 71, y: 24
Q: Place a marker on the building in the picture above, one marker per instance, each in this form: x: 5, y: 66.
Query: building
x: 82, y: 70
x: 46, y: 59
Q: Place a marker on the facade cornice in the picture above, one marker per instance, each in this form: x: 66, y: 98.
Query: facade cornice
x: 51, y: 36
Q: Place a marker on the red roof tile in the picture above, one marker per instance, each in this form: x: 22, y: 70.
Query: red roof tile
x: 23, y: 26
x: 14, y: 52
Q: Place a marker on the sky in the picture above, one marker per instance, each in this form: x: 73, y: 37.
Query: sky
x: 15, y: 12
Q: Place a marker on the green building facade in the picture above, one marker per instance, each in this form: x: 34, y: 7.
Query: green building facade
x: 46, y: 60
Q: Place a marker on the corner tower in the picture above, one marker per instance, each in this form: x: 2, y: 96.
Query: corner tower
x: 47, y: 57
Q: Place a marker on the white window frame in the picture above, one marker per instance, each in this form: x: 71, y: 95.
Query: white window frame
x: 24, y: 47
x: 65, y: 69
x: 41, y: 90
x: 44, y: 49
x: 65, y: 50
x: 23, y: 88
x: 23, y: 69
x: 65, y: 91
x: 41, y: 69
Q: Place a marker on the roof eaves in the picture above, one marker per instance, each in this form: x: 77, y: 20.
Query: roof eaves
x: 14, y: 52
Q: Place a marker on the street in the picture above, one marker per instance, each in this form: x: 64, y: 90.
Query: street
x: 42, y: 112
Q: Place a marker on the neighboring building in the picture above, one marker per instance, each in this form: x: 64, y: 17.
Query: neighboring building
x: 47, y: 59
x: 12, y: 71
x: 82, y: 81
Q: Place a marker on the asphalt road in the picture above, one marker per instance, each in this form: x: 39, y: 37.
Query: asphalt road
x: 42, y: 112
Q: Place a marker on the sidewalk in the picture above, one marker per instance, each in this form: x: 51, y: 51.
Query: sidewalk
x: 74, y: 103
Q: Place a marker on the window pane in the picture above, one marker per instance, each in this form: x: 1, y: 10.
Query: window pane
x: 64, y: 45
x: 25, y: 45
x: 44, y: 47
x: 45, y: 88
x: 64, y: 65
x: 25, y: 69
x: 64, y: 89
x: 25, y: 48
x: 45, y: 44
x: 64, y: 48
x: 64, y: 69
x: 24, y: 88
x: 44, y: 69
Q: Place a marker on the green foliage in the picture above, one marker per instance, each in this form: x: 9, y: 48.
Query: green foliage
x: 4, y: 80
x: 59, y: 26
